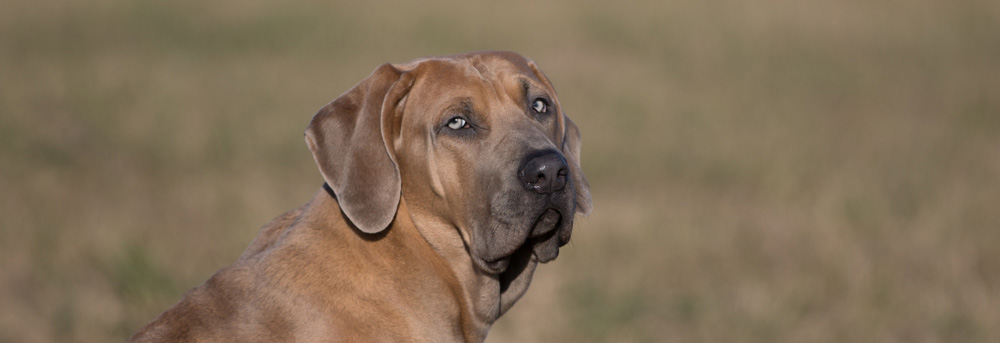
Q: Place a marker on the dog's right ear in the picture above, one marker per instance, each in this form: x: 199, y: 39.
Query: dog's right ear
x: 346, y: 140
x: 571, y: 149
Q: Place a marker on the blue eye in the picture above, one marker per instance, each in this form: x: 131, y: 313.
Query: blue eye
x: 457, y: 123
x: 540, y: 106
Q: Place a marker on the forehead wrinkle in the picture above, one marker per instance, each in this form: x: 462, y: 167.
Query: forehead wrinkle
x: 487, y: 75
x: 506, y: 81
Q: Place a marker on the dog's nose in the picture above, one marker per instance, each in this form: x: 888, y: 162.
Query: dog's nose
x: 545, y: 173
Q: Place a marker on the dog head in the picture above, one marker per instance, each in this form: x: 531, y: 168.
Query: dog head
x: 477, y: 141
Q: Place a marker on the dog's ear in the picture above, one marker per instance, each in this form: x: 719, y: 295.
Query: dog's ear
x: 347, y: 141
x: 570, y: 148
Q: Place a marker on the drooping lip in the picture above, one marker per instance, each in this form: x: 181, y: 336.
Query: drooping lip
x: 548, y: 222
x: 540, y: 241
x: 543, y: 239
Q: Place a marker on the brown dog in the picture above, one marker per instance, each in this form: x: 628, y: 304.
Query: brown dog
x: 447, y: 180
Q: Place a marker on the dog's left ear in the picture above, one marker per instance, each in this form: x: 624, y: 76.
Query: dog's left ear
x: 570, y: 148
x: 348, y: 140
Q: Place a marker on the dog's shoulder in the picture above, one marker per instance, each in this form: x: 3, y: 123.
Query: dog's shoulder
x: 204, y: 313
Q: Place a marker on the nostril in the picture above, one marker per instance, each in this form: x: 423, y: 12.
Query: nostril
x: 561, y: 176
x: 532, y: 178
x: 545, y: 172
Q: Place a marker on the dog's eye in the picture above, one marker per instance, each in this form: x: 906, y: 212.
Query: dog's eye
x: 457, y: 123
x: 539, y: 105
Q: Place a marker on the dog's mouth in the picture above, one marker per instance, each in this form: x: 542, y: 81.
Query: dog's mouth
x: 543, y: 239
x: 547, y: 234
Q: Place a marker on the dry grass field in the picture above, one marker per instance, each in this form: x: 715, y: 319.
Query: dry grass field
x: 765, y: 171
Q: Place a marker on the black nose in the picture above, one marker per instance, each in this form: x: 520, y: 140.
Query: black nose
x: 544, y: 173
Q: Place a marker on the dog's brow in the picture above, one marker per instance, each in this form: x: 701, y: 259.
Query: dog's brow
x: 528, y: 84
x: 462, y: 104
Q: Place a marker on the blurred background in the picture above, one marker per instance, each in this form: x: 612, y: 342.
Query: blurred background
x: 765, y: 171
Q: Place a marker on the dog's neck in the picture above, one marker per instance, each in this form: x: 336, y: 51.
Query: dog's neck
x: 485, y: 294
x: 481, y: 292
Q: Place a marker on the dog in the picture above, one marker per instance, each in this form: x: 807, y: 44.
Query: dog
x: 447, y: 180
